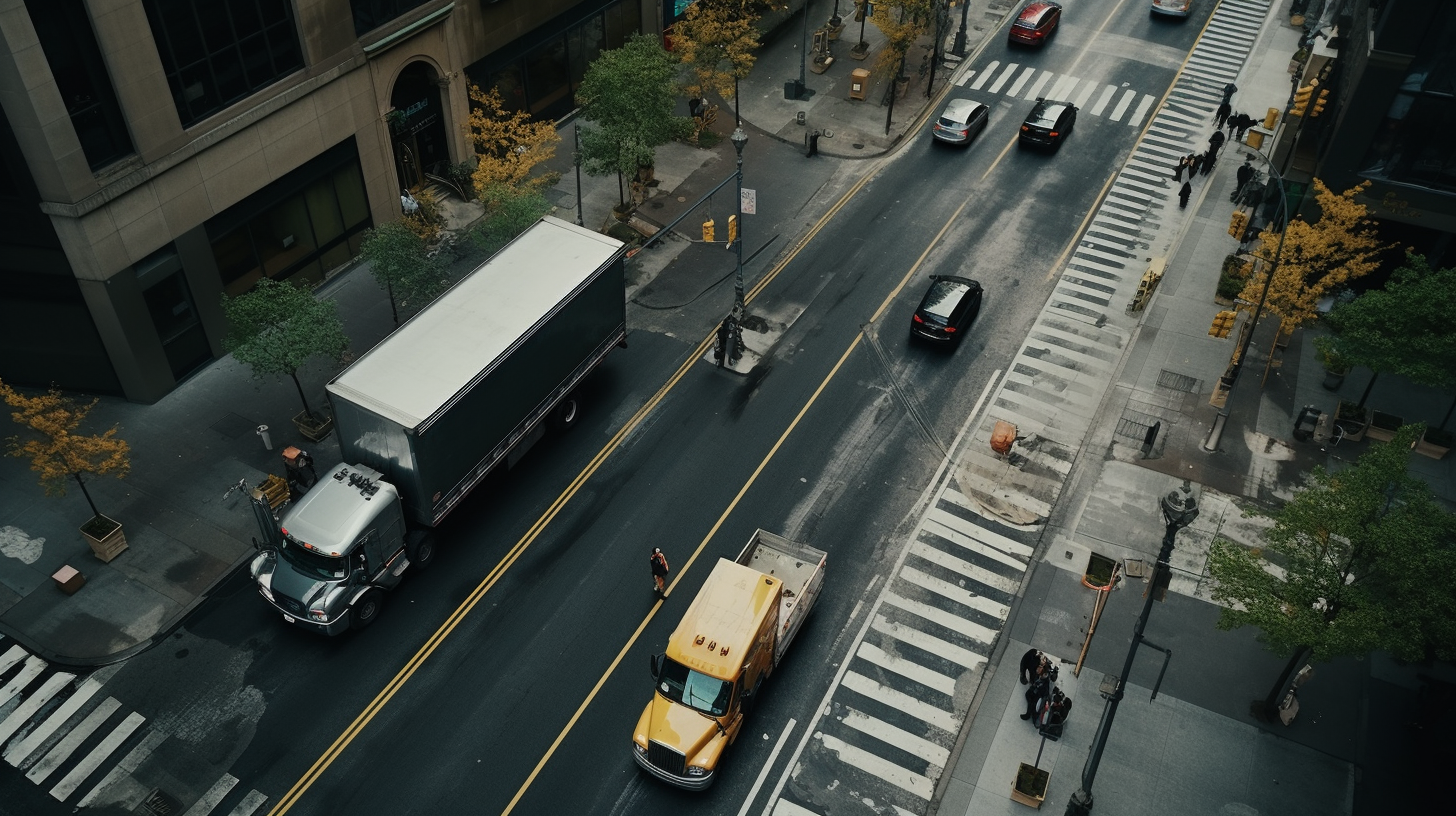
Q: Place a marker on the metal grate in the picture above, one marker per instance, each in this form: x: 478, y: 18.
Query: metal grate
x: 1174, y: 381
x: 158, y: 803
x: 1135, y: 424
x: 667, y: 759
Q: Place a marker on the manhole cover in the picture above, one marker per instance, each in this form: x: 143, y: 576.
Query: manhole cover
x: 158, y: 803
x: 858, y: 146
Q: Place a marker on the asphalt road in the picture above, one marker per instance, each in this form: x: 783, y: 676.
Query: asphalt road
x: 525, y: 696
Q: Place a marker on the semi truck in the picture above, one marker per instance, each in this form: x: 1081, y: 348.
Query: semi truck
x: 463, y: 387
x: 730, y: 639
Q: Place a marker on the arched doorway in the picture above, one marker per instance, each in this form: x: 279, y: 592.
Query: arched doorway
x: 418, y: 126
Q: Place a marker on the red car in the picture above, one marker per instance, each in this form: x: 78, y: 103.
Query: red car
x: 1035, y: 24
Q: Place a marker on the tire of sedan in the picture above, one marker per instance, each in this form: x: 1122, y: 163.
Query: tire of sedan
x: 366, y: 609
x: 420, y: 549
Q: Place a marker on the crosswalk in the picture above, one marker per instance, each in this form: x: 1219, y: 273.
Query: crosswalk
x: 898, y: 706
x: 1112, y: 102
x: 83, y: 746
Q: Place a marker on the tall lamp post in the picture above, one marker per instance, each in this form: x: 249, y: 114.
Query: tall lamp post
x: 1180, y: 508
x: 1215, y: 434
x: 739, y: 139
x: 959, y: 48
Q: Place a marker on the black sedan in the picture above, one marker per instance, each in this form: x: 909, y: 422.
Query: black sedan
x: 947, y: 310
x: 1048, y: 123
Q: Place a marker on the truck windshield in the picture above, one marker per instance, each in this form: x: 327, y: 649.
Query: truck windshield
x: 695, y: 690
x: 315, y: 564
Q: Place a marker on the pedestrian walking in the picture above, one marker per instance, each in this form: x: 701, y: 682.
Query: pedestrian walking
x: 1224, y: 109
x: 1206, y: 166
x: 1245, y: 122
x: 659, y: 573
x: 1183, y: 194
x: 1195, y: 162
x: 1031, y: 663
x: 1245, y: 172
x: 1178, y: 169
x: 1232, y: 123
x: 1215, y: 142
x: 1228, y: 92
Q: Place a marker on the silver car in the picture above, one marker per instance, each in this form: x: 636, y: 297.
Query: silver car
x: 961, y: 121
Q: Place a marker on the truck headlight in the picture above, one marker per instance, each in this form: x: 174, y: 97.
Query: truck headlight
x: 640, y: 749
x: 267, y: 593
x: 695, y: 770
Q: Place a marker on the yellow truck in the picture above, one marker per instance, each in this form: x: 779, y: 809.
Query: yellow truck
x: 730, y: 638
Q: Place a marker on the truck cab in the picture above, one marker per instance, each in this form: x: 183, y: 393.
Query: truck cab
x: 327, y: 563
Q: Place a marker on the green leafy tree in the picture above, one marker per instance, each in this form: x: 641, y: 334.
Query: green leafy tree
x: 277, y: 327
x: 399, y: 259
x: 1351, y: 567
x: 1405, y: 328
x: 628, y: 98
x: 509, y: 212
x: 56, y: 451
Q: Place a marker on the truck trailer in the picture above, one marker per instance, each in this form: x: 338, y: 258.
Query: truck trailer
x: 729, y: 640
x: 465, y: 386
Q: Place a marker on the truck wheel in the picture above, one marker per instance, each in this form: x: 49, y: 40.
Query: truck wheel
x: 366, y: 609
x: 566, y: 413
x: 420, y: 549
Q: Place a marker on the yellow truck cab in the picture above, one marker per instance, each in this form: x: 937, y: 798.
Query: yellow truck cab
x: 730, y: 638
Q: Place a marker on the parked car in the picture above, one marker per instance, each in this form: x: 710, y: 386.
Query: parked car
x: 961, y: 121
x: 1035, y: 24
x: 948, y: 309
x: 1173, y: 8
x: 1048, y: 123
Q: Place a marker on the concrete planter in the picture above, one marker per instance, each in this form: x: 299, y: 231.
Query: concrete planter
x: 313, y: 428
x: 1435, y: 448
x: 105, y: 537
x: 1383, y: 427
x: 1030, y: 786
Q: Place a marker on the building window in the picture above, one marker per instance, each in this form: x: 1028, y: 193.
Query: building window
x: 216, y: 52
x: 66, y: 37
x: 371, y: 14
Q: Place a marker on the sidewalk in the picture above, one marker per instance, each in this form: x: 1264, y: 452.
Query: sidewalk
x: 190, y: 447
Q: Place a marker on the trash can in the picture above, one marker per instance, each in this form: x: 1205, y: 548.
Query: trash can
x: 859, y: 83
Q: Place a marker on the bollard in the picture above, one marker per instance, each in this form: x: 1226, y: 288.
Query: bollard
x: 813, y: 140
x: 267, y: 440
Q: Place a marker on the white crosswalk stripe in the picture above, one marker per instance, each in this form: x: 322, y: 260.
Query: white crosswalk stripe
x: 54, y: 729
x: 1030, y: 83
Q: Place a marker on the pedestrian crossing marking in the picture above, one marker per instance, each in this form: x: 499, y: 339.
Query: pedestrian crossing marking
x: 951, y: 592
x: 62, y: 750
x: 32, y: 704
x: 13, y: 655
x: 1020, y: 81
x: 250, y: 804
x: 129, y: 763
x: 1063, y: 89
x: 944, y: 559
x: 1005, y: 75
x: 98, y: 755
x: 1141, y: 111
x: 900, y: 701
x: 901, y: 778
x: 1127, y: 97
x: 905, y: 668
x: 955, y: 623
x: 16, y: 753
x: 928, y: 642
x: 31, y: 670
x: 1103, y: 100
x: 214, y: 794
x: 936, y: 755
x: 784, y: 807
x: 975, y: 537
x: 1035, y: 90
x: 1086, y: 93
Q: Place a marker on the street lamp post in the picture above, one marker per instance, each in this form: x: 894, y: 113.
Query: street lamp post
x: 1215, y: 434
x: 1180, y: 508
x: 959, y: 49
x: 576, y: 160
x: 739, y: 139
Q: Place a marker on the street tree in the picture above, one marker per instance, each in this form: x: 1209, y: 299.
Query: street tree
x: 716, y: 40
x: 508, y: 144
x: 277, y: 327
x: 1354, y: 563
x: 627, y: 97
x: 1402, y: 329
x: 1318, y: 258
x: 902, y: 22
x: 58, y: 453
x: 400, y: 260
x: 510, y: 211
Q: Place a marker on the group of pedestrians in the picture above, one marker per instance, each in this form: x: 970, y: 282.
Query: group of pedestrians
x: 1201, y: 164
x: 1047, y: 706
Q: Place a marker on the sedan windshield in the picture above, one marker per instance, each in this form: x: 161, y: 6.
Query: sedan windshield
x: 313, y: 563
x: 695, y: 690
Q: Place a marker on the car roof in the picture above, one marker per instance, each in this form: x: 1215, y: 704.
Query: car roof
x: 961, y: 109
x: 938, y: 298
x: 1034, y: 11
x: 1047, y: 110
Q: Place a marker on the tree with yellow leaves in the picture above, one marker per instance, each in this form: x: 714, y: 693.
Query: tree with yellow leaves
x: 1318, y: 257
x: 716, y: 40
x: 508, y: 144
x: 902, y: 22
x: 56, y: 452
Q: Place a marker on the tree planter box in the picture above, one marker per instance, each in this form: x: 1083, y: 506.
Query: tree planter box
x: 1352, y: 424
x: 313, y: 428
x: 1030, y: 786
x: 105, y: 537
x: 1383, y: 427
x: 1436, y: 448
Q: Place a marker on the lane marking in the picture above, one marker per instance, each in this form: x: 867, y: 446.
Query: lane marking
x: 767, y: 766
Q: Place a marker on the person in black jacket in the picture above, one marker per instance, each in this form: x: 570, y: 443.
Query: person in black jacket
x: 1031, y: 664
x: 659, y: 572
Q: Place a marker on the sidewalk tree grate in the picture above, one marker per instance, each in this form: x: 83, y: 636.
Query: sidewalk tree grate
x: 1174, y: 381
x: 233, y: 426
x: 1135, y: 424
x: 158, y: 803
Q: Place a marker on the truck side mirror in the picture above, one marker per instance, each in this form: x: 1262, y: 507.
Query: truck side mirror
x: 656, y: 666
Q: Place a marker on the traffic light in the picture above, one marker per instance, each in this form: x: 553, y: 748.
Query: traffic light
x: 732, y: 229
x: 1319, y: 102
x: 1223, y: 323
x: 708, y: 231
x: 1301, y: 100
x: 1238, y: 223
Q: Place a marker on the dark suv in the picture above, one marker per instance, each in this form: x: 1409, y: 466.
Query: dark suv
x: 1048, y: 123
x: 947, y: 310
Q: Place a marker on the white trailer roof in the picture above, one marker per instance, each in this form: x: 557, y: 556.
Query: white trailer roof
x: 421, y: 366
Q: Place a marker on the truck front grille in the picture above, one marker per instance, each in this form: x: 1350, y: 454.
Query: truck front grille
x: 666, y: 759
x: 290, y: 604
